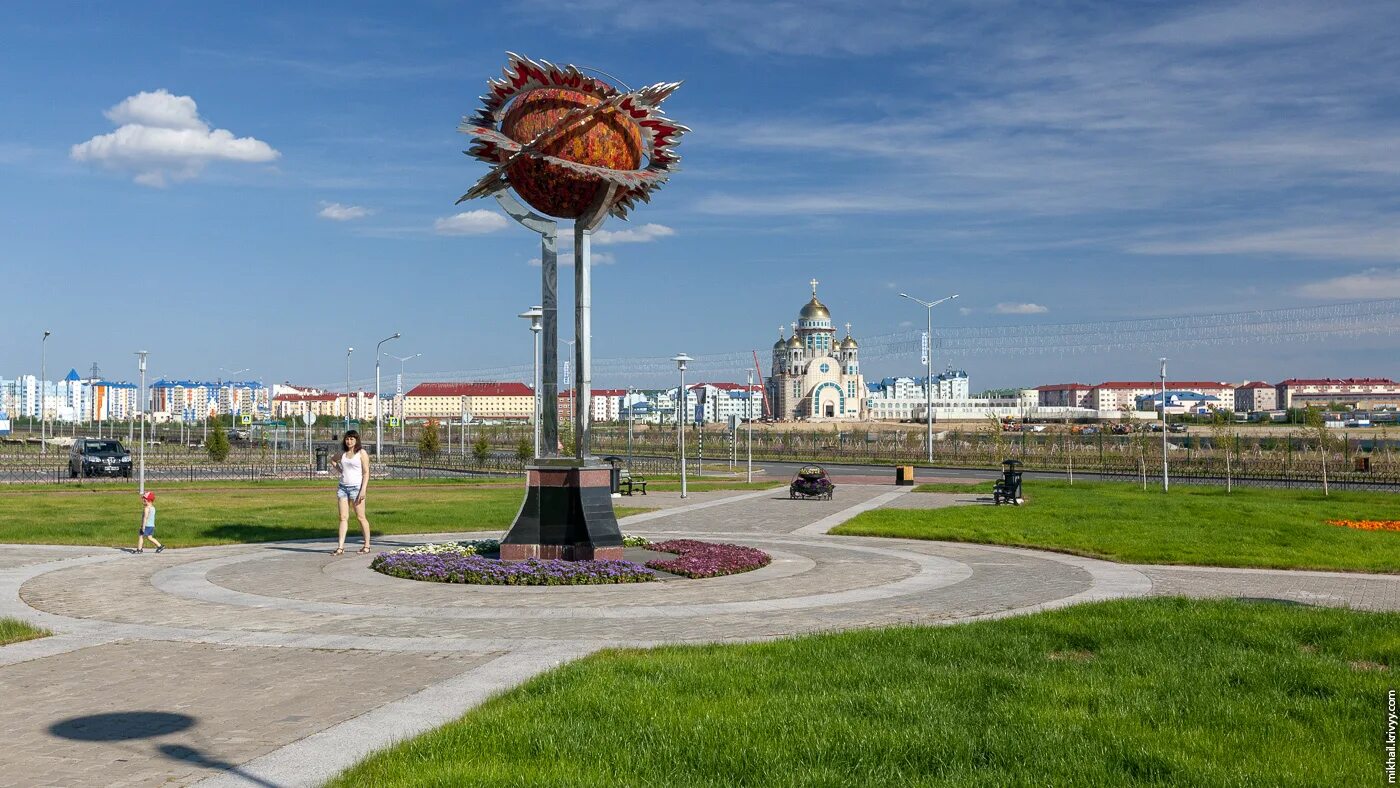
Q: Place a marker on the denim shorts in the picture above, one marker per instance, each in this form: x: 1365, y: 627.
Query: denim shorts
x: 347, y: 492
x: 148, y: 530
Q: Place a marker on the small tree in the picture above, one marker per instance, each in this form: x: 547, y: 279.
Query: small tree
x: 481, y: 449
x: 524, y: 450
x: 1317, y: 427
x: 429, y: 441
x: 1222, y: 430
x: 218, y: 441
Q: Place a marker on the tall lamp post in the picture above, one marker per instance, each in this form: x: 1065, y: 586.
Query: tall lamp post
x: 141, y: 402
x: 232, y: 398
x: 681, y: 360
x: 928, y: 364
x: 748, y: 407
x: 43, y: 373
x: 398, y: 387
x: 535, y: 315
x: 379, y: 411
x: 348, y: 351
x: 1165, y: 483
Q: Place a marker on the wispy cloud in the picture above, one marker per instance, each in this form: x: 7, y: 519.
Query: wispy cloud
x: 337, y: 212
x: 598, y: 258
x: 1375, y: 283
x: 645, y: 233
x: 1366, y: 242
x: 1009, y: 308
x: 477, y: 222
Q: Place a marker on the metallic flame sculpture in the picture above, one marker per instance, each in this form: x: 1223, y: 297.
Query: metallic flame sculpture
x: 573, y: 147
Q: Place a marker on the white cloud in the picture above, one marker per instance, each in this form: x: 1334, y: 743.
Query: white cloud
x: 1007, y: 308
x: 567, y: 260
x: 342, y: 213
x: 161, y: 139
x: 470, y: 223
x: 965, y: 310
x: 632, y: 235
x: 1375, y: 283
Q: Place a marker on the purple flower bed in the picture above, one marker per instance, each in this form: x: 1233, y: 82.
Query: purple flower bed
x: 450, y: 568
x: 707, y: 559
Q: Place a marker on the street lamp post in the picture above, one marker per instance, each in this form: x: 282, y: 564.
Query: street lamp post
x: 348, y: 351
x: 1165, y: 483
x: 141, y: 402
x: 398, y: 388
x: 43, y: 373
x: 535, y: 314
x: 681, y: 360
x: 631, y: 417
x: 232, y: 399
x: 748, y: 407
x: 928, y: 371
x: 379, y: 411
x: 573, y: 385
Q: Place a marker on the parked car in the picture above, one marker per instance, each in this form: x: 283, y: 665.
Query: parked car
x: 98, y: 457
x: 1176, y: 427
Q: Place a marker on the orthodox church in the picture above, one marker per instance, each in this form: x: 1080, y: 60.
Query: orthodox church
x: 814, y: 376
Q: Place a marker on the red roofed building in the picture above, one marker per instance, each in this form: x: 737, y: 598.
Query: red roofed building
x: 1065, y: 395
x: 487, y: 401
x: 1255, y: 396
x: 1357, y: 392
x: 1117, y: 395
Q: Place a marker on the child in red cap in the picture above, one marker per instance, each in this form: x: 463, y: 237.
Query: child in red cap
x: 148, y: 523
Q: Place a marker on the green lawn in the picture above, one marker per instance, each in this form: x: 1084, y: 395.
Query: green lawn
x: 234, y: 512
x: 12, y: 630
x: 971, y: 486
x: 1250, y: 527
x: 703, y: 485
x: 1162, y: 691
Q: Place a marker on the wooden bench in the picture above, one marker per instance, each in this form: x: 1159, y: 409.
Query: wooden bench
x: 627, y: 483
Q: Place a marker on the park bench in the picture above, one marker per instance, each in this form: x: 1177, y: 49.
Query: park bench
x: 627, y: 483
x: 1007, y: 489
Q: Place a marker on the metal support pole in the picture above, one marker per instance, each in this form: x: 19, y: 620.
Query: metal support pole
x: 583, y: 336
x: 43, y: 395
x: 631, y: 417
x: 549, y: 318
x: 378, y: 409
x: 681, y: 360
x: 348, y: 351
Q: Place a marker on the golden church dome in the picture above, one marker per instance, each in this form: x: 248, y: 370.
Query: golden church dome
x: 815, y: 310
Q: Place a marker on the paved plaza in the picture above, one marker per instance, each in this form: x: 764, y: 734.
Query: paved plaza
x: 279, y: 665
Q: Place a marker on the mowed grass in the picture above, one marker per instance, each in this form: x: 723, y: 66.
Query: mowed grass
x: 1250, y: 527
x: 12, y: 630
x: 971, y: 486
x: 207, y: 515
x: 1166, y: 691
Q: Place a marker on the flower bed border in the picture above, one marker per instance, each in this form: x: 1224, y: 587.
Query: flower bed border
x: 476, y: 570
x: 1368, y: 525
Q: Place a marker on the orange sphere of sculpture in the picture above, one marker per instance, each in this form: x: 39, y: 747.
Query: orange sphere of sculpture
x: 608, y: 139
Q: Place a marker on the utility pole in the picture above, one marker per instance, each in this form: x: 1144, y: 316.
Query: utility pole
x: 1165, y: 483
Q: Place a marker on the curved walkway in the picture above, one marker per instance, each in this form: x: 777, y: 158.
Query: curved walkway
x: 278, y: 664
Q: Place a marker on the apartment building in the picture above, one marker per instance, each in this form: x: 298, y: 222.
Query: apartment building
x: 483, y: 401
x: 1254, y: 396
x: 1361, y: 393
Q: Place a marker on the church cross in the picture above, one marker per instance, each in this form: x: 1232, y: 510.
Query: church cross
x: 848, y: 329
x: 814, y: 284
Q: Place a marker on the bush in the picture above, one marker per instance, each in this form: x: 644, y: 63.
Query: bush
x: 524, y: 450
x: 429, y: 441
x: 481, y: 449
x: 218, y: 441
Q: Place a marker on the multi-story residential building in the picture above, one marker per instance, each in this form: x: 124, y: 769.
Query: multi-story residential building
x: 1254, y: 396
x: 292, y: 405
x: 482, y: 401
x: 904, y: 398
x: 113, y: 401
x: 1065, y: 395
x: 196, y: 400
x: 1361, y: 393
x: 606, y: 405
x: 1119, y: 395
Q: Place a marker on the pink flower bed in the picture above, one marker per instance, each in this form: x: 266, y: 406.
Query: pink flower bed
x: 706, y: 559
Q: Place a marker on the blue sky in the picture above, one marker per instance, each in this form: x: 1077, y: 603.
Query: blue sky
x: 291, y: 191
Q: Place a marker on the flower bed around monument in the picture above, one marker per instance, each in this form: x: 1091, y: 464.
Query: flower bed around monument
x: 698, y: 559
x: 476, y: 570
x: 1368, y: 525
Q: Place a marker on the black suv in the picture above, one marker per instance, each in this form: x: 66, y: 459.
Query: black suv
x: 98, y: 457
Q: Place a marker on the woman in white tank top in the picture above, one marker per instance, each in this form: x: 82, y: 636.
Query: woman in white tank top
x: 353, y: 465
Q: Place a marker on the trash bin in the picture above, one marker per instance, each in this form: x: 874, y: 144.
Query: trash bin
x: 614, y: 474
x: 904, y: 475
x: 1363, y: 464
x: 321, y: 454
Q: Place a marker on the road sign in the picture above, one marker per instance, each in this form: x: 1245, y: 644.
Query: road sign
x: 245, y: 419
x: 923, y: 359
x: 466, y: 418
x: 566, y: 373
x: 393, y: 421
x: 307, y: 418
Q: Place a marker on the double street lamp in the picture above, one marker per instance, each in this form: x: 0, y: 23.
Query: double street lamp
x: 398, y: 388
x: 144, y: 404
x: 681, y: 361
x: 928, y: 363
x: 348, y: 351
x: 535, y: 315
x: 43, y: 374
x: 378, y: 410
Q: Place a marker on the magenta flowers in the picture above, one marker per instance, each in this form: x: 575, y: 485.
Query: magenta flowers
x: 454, y: 568
x: 707, y: 559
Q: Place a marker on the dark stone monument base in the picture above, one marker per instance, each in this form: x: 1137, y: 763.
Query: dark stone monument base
x: 567, y: 514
